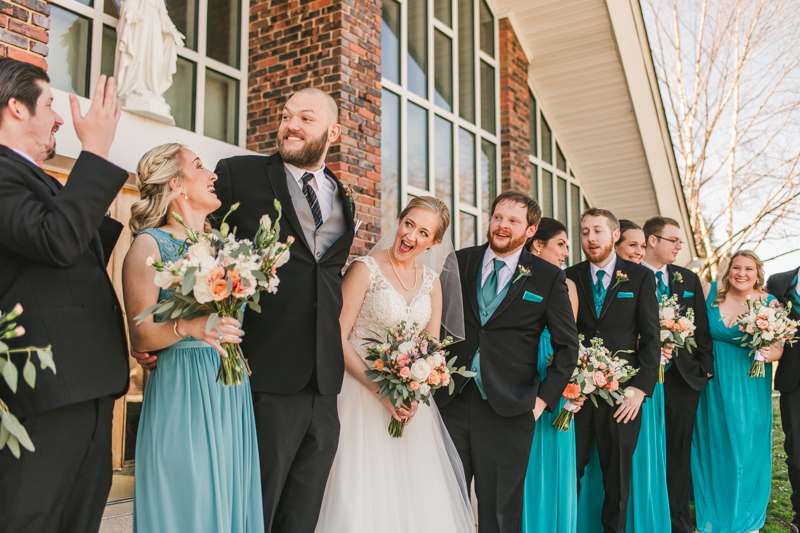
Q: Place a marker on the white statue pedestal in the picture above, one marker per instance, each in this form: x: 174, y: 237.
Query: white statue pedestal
x: 150, y: 106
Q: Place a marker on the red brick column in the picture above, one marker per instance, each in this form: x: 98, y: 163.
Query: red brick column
x: 514, y: 129
x: 335, y: 46
x: 23, y: 30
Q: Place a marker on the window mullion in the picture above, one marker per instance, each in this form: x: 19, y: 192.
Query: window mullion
x: 202, y: 24
x: 97, y: 43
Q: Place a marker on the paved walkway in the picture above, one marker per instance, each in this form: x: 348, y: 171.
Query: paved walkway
x: 118, y: 516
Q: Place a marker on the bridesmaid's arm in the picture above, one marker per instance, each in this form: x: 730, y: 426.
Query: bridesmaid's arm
x: 573, y: 298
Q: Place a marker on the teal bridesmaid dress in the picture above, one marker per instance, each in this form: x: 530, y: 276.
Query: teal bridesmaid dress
x: 732, y: 440
x: 551, y: 493
x: 197, y: 466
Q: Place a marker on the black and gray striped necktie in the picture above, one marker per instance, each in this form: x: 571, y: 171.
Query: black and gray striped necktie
x: 311, y: 196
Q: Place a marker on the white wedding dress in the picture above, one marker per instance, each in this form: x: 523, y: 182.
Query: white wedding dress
x: 381, y: 484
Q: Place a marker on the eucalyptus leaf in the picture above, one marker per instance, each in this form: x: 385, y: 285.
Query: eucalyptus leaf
x: 11, y: 374
x: 46, y: 359
x: 17, y: 430
x: 212, y: 321
x: 29, y: 373
x: 3, y: 347
x: 13, y: 445
x: 4, y: 434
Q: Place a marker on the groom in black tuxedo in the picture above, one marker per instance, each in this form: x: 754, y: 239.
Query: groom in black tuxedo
x: 510, y: 296
x: 617, y: 303
x: 55, y: 243
x: 294, y: 345
x: 786, y: 288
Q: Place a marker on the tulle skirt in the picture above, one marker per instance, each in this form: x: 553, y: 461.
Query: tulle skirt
x: 381, y: 484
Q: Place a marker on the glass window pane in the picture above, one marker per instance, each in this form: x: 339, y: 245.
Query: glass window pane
x: 546, y: 199
x: 561, y: 193
x: 181, y: 96
x: 487, y: 29
x: 466, y: 60
x: 222, y: 37
x: 466, y: 167
x: 442, y: 11
x: 111, y: 7
x: 469, y: 230
x: 535, y: 183
x: 547, y: 142
x: 418, y: 47
x: 108, y: 50
x: 184, y: 15
x: 561, y: 161
x: 487, y: 97
x: 575, y: 219
x: 70, y: 45
x: 443, y: 70
x: 488, y: 178
x: 417, y: 129
x: 390, y: 158
x: 390, y: 41
x: 532, y: 125
x: 221, y: 107
x: 443, y: 159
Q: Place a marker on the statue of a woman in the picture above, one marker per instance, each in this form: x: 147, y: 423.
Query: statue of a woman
x: 146, y: 57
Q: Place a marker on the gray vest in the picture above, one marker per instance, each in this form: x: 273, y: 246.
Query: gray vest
x: 319, y: 240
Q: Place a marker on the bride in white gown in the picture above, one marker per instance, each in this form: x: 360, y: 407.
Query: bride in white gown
x: 381, y: 484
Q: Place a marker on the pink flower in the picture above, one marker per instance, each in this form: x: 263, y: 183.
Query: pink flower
x: 601, y: 366
x: 405, y: 372
x: 572, y: 392
x: 600, y: 379
x: 403, y: 360
x: 434, y: 378
x: 445, y: 378
x: 762, y: 324
x: 19, y: 331
x: 290, y: 239
x: 613, y: 385
x: 219, y: 290
x: 413, y: 385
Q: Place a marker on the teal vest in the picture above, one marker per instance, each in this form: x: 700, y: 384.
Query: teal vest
x: 486, y: 311
x: 791, y: 293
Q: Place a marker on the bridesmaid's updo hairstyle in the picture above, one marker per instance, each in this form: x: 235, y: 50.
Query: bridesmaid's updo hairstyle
x: 625, y: 225
x: 154, y: 172
x: 725, y: 282
x: 431, y: 204
x: 546, y: 230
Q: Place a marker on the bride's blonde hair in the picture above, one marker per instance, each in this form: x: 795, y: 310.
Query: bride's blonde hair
x: 156, y: 169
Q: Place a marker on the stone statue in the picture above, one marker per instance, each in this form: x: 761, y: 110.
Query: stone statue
x: 146, y: 57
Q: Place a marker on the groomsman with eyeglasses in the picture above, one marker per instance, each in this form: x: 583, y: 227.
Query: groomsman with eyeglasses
x: 687, y: 373
x: 786, y: 288
x: 617, y: 303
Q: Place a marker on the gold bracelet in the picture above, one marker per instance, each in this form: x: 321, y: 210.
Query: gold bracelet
x: 175, y: 329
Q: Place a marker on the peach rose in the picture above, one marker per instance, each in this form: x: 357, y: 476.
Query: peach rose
x: 403, y: 360
x: 377, y: 364
x: 434, y: 378
x: 445, y: 378
x: 405, y: 372
x: 613, y: 385
x: 414, y: 385
x: 600, y: 379
x: 219, y: 290
x: 215, y: 274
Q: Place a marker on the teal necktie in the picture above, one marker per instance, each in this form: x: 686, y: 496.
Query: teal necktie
x: 489, y: 289
x: 661, y: 287
x: 599, y: 292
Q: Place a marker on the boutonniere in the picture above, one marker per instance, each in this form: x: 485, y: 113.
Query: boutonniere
x: 522, y: 272
x: 351, y: 194
x: 676, y: 277
x: 620, y: 277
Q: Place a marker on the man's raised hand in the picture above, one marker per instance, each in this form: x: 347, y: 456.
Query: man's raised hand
x: 97, y: 128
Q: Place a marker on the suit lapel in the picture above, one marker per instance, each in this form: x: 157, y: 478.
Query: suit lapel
x: 277, y: 177
x: 474, y: 262
x: 782, y: 288
x: 585, y: 278
x: 514, y: 286
x: 613, y: 288
x: 50, y: 181
x: 670, y: 284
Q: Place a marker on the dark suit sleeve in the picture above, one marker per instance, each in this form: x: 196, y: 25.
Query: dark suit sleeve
x: 109, y: 232
x: 56, y: 235
x: 223, y: 190
x: 650, y: 337
x: 704, y: 353
x: 564, y: 339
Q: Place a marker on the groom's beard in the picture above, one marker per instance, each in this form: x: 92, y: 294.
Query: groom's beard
x: 512, y: 244
x: 308, y: 156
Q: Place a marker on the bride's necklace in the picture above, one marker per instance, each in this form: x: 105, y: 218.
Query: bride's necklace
x: 398, y: 275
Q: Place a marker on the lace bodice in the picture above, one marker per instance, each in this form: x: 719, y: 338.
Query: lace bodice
x: 385, y: 308
x: 170, y: 251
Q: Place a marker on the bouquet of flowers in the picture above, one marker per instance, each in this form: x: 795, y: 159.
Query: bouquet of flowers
x: 12, y: 432
x: 598, y: 373
x: 676, y: 330
x: 410, y: 365
x: 764, y: 326
x: 218, y: 276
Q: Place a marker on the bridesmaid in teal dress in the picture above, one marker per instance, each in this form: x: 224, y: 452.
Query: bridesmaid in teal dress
x: 648, y: 500
x: 732, y: 441
x: 551, y: 494
x: 197, y: 466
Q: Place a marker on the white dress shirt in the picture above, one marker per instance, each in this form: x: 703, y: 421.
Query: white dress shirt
x: 663, y: 271
x: 505, y: 273
x: 26, y: 156
x: 608, y: 269
x: 323, y: 187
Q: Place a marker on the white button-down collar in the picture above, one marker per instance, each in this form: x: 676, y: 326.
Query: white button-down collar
x: 24, y: 155
x: 608, y: 269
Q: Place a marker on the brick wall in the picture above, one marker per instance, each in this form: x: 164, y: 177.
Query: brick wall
x: 514, y: 128
x: 23, y: 30
x: 334, y: 46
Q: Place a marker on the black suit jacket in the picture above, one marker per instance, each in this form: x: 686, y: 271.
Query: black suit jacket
x: 297, y: 333
x: 509, y: 341
x: 787, y: 376
x: 52, y: 261
x: 623, y: 321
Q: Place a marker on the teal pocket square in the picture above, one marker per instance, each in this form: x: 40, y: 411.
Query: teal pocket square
x: 530, y: 297
x: 687, y: 294
x: 624, y: 295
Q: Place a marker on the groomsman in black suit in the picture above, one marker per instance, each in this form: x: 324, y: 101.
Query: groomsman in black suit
x: 688, y: 373
x: 617, y: 303
x: 509, y: 297
x: 55, y: 242
x: 786, y: 288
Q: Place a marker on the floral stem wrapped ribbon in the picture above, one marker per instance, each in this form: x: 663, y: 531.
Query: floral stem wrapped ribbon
x: 218, y: 277
x: 598, y: 373
x: 764, y: 326
x: 410, y: 365
x: 676, y: 330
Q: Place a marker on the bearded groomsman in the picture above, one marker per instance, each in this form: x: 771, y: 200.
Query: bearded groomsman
x: 617, y: 303
x: 786, y: 288
x: 688, y: 372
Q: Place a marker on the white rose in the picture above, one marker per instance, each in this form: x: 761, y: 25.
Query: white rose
x: 282, y: 259
x: 768, y: 335
x: 420, y: 370
x: 199, y: 250
x: 394, y: 355
x: 202, y: 290
x: 272, y: 286
x: 431, y: 360
x: 406, y: 348
x: 588, y: 387
x: 664, y: 335
x: 265, y: 221
x: 439, y: 358
x: 424, y: 389
x: 165, y: 279
x: 668, y: 313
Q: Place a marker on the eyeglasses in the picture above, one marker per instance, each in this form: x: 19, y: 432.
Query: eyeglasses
x: 675, y: 242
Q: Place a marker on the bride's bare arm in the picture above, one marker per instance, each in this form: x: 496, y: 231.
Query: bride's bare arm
x: 435, y: 325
